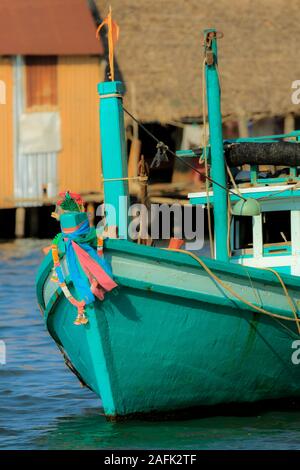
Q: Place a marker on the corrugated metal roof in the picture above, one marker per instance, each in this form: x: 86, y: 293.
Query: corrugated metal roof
x: 47, y: 27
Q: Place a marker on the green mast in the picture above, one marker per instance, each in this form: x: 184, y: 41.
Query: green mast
x: 114, y: 156
x: 217, y: 170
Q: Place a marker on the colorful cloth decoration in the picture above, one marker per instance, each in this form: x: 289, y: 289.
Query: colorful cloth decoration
x: 90, y: 273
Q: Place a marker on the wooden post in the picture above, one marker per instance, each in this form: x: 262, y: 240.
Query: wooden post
x: 134, y: 156
x: 243, y: 124
x: 136, y: 144
x: 288, y: 126
x: 243, y: 131
x: 289, y: 123
x: 20, y: 222
x: 91, y: 213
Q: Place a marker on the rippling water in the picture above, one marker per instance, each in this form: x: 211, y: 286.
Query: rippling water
x: 42, y: 405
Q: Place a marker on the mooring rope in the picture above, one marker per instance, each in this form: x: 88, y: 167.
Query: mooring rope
x: 241, y: 298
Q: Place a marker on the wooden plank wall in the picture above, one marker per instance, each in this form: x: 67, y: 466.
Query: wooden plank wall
x: 79, y: 167
x: 6, y: 135
x: 41, y: 82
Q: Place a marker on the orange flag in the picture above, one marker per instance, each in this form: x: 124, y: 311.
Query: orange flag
x: 113, y: 36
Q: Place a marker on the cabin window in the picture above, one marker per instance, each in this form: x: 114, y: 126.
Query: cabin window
x: 243, y: 233
x: 276, y: 227
x: 41, y: 82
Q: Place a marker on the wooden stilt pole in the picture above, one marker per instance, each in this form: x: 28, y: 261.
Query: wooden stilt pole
x: 91, y: 213
x: 20, y: 222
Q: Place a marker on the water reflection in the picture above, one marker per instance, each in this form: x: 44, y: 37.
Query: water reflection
x: 91, y: 431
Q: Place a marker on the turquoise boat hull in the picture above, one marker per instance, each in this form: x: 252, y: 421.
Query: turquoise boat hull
x: 170, y: 338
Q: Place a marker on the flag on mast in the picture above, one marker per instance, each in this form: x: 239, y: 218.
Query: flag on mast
x: 113, y: 36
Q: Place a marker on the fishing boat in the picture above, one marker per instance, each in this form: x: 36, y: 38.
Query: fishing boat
x: 159, y: 330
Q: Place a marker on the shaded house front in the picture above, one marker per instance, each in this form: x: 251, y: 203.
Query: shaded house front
x: 49, y: 69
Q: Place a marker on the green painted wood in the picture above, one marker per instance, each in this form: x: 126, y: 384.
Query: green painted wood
x: 217, y: 171
x: 72, y: 219
x: 266, y: 138
x: 253, y: 174
x: 288, y: 195
x: 169, y: 337
x: 114, y: 155
x: 287, y: 179
x: 169, y: 354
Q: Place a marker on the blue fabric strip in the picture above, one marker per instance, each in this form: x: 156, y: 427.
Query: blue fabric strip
x: 79, y: 279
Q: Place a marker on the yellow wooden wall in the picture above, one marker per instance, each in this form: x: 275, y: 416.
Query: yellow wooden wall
x: 79, y: 161
x: 6, y: 136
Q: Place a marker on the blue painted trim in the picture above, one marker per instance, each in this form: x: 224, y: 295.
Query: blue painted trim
x: 179, y: 259
x: 225, y: 300
x: 186, y: 153
x: 182, y: 259
x: 265, y: 138
x: 264, y: 181
x: 284, y: 195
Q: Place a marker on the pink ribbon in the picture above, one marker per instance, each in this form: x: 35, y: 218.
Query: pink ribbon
x: 94, y: 270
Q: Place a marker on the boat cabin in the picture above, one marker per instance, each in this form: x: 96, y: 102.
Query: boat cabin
x: 271, y: 238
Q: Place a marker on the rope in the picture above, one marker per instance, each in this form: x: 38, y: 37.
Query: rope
x: 287, y: 296
x: 210, y: 234
x: 211, y: 241
x: 180, y: 158
x: 239, y: 297
x: 111, y: 95
x: 232, y: 179
x: 229, y: 218
x: 128, y: 178
x: 270, y: 269
x: 204, y: 111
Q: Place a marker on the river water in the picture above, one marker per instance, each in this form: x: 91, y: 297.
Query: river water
x: 42, y: 405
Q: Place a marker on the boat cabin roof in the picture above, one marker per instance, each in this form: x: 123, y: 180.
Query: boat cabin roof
x: 271, y: 198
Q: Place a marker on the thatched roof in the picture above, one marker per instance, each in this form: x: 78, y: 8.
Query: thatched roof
x: 160, y: 52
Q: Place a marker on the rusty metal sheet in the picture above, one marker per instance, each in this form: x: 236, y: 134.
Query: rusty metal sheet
x: 47, y: 27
